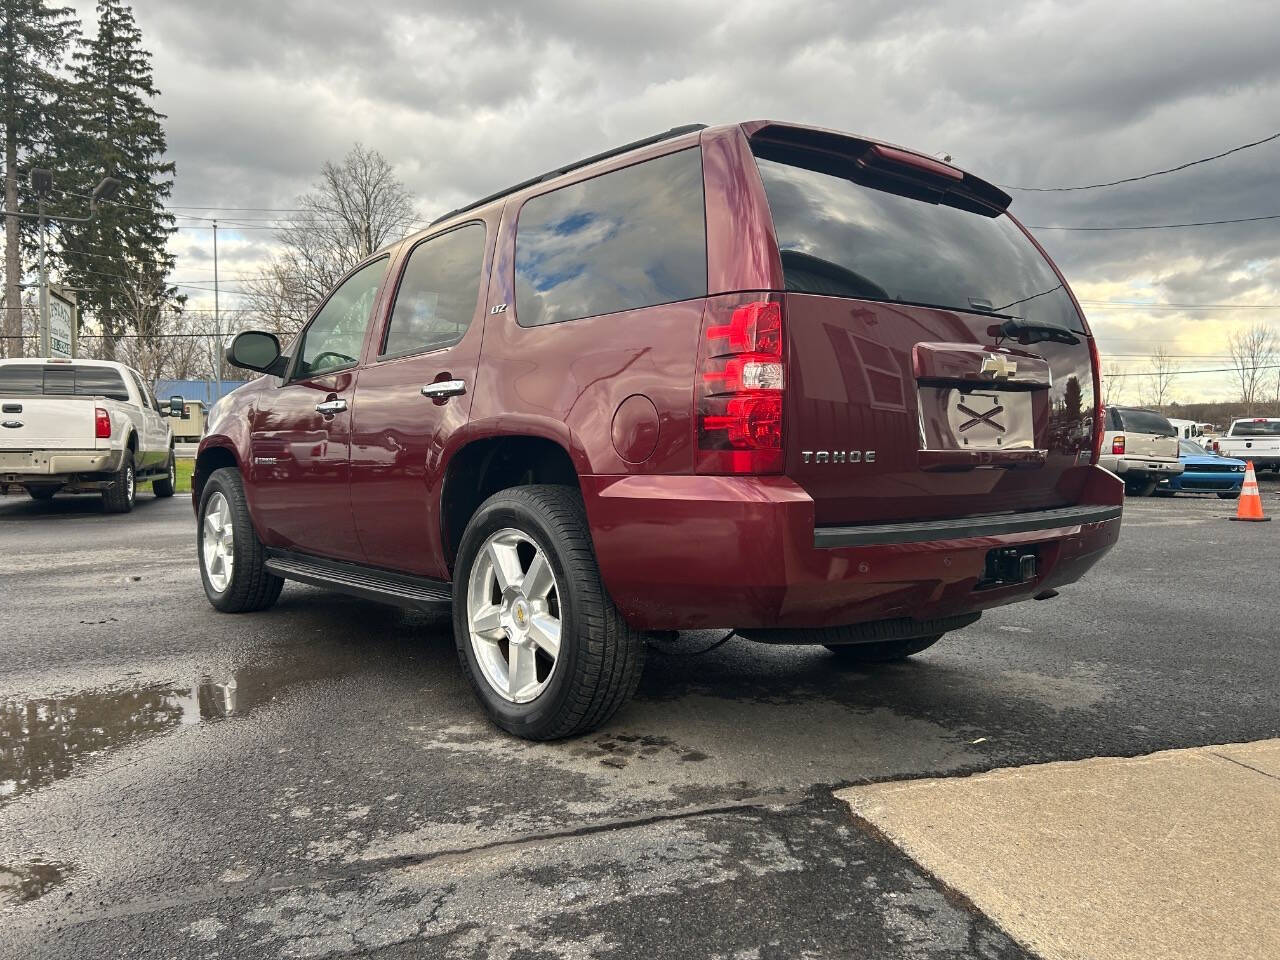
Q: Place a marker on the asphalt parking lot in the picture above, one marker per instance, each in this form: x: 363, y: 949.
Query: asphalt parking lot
x: 317, y: 781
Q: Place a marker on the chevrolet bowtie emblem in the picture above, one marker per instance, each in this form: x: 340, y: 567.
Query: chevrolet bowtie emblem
x: 998, y: 367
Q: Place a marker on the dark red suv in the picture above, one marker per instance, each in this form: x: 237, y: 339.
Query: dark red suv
x: 760, y: 376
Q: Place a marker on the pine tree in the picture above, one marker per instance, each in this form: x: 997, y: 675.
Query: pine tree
x: 119, y: 259
x: 34, y: 39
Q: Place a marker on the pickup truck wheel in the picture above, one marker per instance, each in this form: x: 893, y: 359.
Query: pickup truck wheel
x: 231, y: 556
x: 119, y: 496
x: 165, y: 486
x: 1139, y: 488
x: 882, y: 651
x: 45, y: 492
x: 540, y: 641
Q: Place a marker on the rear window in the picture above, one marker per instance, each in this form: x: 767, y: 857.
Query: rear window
x: 1144, y: 421
x: 635, y: 237
x: 840, y: 237
x: 1248, y: 428
x: 37, y: 380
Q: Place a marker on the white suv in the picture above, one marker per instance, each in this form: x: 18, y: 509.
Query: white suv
x: 1141, y: 448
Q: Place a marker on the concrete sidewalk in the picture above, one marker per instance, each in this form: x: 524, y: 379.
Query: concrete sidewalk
x: 1172, y: 855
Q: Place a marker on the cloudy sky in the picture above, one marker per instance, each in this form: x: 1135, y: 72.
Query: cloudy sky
x: 465, y: 97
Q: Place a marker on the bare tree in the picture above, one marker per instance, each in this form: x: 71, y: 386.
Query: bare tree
x: 1113, y: 383
x: 1253, y: 353
x: 357, y: 207
x: 1160, y: 378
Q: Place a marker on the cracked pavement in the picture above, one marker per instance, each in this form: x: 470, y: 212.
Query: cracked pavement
x: 317, y: 781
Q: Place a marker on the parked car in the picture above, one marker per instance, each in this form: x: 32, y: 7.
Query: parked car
x: 759, y: 376
x: 83, y: 425
x: 1140, y: 447
x: 1256, y: 439
x: 1204, y: 472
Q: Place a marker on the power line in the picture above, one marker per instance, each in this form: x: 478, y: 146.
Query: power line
x: 1147, y: 176
x: 1140, y: 305
x: 1162, y: 226
x: 1187, y: 373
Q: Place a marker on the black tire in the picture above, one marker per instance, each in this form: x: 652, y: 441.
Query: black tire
x: 45, y: 492
x: 600, y: 658
x: 165, y: 486
x: 251, y: 586
x: 120, y: 495
x: 882, y: 651
x: 1229, y: 496
x: 1166, y: 493
x: 1139, y: 488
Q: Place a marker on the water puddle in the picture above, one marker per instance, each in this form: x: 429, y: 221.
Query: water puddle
x: 44, y: 740
x: 21, y: 882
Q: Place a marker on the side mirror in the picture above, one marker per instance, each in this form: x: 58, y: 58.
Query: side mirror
x: 177, y: 407
x: 256, y: 350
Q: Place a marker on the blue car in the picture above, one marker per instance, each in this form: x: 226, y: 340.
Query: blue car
x: 1204, y: 472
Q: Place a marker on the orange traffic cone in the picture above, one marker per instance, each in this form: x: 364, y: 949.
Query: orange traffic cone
x: 1250, y: 507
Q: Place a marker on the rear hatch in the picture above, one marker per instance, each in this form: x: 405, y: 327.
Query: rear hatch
x: 45, y: 406
x: 1147, y: 435
x: 937, y: 365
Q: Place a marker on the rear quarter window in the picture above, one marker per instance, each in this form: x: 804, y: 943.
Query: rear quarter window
x: 634, y: 237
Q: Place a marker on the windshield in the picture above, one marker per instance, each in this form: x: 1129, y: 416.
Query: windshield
x: 1254, y: 428
x: 1188, y: 449
x: 842, y: 238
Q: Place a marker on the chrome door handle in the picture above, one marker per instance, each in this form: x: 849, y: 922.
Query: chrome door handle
x: 444, y: 388
x: 330, y: 407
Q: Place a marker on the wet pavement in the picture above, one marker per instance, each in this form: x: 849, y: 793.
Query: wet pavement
x: 316, y: 780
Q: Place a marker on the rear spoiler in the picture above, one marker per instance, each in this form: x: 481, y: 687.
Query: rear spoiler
x: 829, y: 150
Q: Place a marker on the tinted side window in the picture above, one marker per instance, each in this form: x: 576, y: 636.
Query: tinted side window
x: 334, y: 339
x: 438, y: 293
x: 632, y: 238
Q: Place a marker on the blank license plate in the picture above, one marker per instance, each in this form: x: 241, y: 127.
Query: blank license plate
x: 991, y: 419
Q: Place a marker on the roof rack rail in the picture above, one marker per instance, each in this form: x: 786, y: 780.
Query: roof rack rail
x: 551, y: 174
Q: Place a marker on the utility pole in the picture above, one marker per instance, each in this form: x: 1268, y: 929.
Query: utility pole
x: 42, y: 181
x: 217, y: 318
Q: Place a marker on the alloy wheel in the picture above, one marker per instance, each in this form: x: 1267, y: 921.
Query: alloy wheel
x: 514, y: 615
x: 217, y: 543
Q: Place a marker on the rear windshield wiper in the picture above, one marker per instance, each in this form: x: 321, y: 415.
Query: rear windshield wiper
x: 1035, y: 331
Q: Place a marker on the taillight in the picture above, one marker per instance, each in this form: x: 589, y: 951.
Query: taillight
x: 1099, y: 412
x: 101, y: 424
x: 1117, y: 444
x: 740, y: 383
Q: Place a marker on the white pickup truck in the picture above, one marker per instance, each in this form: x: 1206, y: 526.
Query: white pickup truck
x: 1256, y: 439
x: 82, y: 425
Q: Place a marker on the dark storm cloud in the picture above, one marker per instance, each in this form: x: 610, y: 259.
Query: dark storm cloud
x: 465, y: 98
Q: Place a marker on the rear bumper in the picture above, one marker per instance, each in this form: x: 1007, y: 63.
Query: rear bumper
x: 1137, y: 467
x: 47, y: 465
x: 679, y: 552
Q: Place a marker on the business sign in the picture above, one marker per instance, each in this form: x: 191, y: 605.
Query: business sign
x: 62, y: 326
